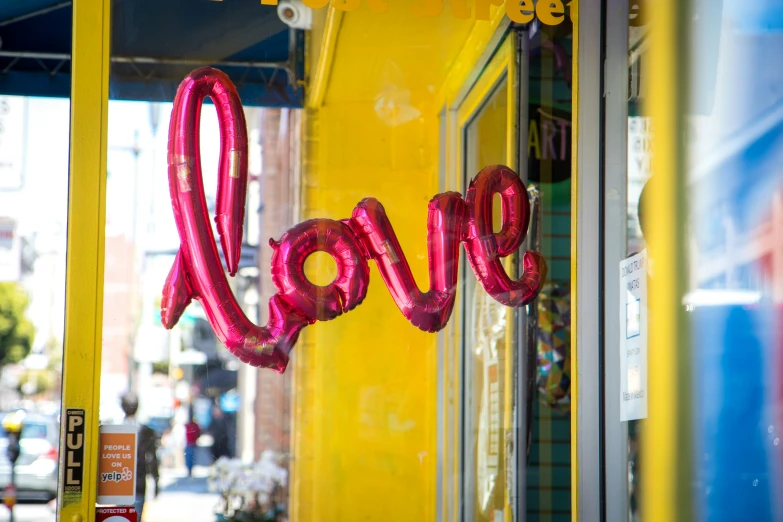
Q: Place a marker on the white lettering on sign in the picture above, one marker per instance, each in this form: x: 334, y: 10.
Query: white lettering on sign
x: 633, y: 337
x: 117, y: 476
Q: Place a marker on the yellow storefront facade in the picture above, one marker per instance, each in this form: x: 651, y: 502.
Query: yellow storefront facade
x: 379, y: 421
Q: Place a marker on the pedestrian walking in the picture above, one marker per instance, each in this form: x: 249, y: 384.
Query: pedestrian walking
x: 146, y: 455
x: 192, y: 433
x: 220, y: 434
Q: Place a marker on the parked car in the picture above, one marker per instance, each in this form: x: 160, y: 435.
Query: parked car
x: 38, y: 462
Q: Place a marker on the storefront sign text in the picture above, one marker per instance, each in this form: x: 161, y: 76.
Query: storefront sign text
x: 552, y: 12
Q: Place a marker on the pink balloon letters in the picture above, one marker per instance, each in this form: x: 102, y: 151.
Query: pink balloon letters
x: 198, y: 273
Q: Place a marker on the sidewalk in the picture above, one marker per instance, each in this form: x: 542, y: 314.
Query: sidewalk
x: 181, y: 498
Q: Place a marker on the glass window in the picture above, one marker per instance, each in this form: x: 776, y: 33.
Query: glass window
x: 499, y: 343
x: 35, y: 104
x: 639, y: 171
x: 734, y: 189
x: 487, y: 340
x: 549, y: 174
x: 729, y: 377
x: 241, y: 123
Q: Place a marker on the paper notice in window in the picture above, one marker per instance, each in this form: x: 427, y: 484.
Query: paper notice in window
x: 633, y: 337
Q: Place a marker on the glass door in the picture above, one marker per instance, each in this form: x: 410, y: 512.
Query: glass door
x: 516, y: 414
x: 489, y: 344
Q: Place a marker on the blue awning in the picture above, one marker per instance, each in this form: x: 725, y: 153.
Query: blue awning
x: 154, y: 45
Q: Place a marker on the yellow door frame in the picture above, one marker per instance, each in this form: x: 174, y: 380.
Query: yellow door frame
x: 503, y: 65
x: 85, y: 252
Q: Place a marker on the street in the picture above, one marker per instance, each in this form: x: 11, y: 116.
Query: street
x: 181, y: 499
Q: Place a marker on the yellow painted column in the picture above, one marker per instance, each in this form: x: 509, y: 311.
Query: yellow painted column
x: 84, y: 271
x: 666, y: 439
x: 365, y: 435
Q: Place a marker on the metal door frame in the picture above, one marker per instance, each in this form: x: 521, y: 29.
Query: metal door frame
x: 586, y: 302
x: 614, y: 188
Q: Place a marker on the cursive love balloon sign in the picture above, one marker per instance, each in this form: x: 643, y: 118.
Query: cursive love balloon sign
x: 198, y: 272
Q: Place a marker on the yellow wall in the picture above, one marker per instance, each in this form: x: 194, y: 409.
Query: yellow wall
x: 365, y: 421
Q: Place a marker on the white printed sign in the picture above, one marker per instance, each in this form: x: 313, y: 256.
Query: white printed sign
x: 633, y: 337
x: 639, y: 148
x: 12, y: 141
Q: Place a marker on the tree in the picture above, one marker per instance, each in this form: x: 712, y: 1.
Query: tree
x: 16, y: 331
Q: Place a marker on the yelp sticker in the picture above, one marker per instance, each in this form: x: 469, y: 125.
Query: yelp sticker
x: 117, y: 464
x: 117, y: 476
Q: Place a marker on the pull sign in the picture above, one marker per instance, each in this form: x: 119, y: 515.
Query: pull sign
x: 73, y: 469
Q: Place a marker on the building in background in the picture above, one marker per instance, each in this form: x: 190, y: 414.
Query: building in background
x: 33, y: 232
x: 279, y: 185
x: 117, y: 321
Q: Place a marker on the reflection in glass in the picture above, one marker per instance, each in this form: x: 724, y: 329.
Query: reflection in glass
x: 639, y: 170
x: 486, y: 344
x: 548, y: 473
x: 734, y: 214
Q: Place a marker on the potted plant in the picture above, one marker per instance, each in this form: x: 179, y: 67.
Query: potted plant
x: 249, y: 492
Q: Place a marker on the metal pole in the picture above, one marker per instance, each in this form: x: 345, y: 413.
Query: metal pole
x: 153, y: 61
x: 136, y: 150
x: 13, y: 425
x: 13, y: 483
x: 154, y: 120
